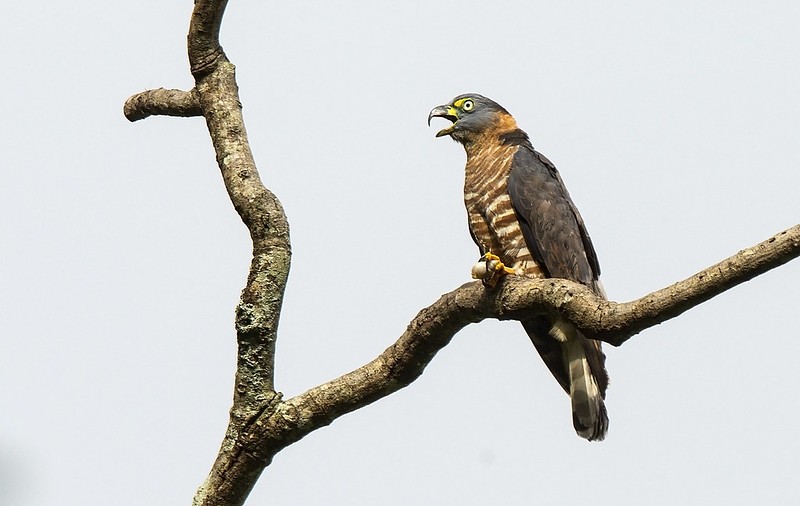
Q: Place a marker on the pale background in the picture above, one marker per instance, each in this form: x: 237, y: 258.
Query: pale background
x: 674, y: 124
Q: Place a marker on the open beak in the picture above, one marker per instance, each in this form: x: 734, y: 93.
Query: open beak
x: 447, y: 112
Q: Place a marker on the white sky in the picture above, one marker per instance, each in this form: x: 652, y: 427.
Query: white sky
x: 674, y: 124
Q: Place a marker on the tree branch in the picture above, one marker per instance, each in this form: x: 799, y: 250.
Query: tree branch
x: 216, y: 96
x: 616, y: 323
x: 162, y: 102
x: 261, y: 423
x: 234, y: 472
x: 515, y: 298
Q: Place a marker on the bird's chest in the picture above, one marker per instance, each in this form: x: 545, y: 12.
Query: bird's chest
x: 492, y: 219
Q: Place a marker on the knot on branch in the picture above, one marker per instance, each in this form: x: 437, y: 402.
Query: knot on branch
x: 204, y: 63
x: 248, y: 318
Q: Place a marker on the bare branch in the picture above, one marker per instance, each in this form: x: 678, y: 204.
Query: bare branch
x: 617, y: 323
x: 261, y: 423
x: 203, y: 39
x: 216, y: 95
x: 515, y: 298
x: 162, y: 102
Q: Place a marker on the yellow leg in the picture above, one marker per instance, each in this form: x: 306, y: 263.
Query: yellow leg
x: 489, y: 269
x: 497, y: 264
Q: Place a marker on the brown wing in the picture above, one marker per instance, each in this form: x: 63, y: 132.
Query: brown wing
x: 557, y: 238
x: 553, y: 228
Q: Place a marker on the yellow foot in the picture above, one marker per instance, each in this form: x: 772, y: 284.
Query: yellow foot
x: 490, y: 269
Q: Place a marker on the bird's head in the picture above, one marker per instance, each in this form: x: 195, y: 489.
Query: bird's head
x: 472, y: 115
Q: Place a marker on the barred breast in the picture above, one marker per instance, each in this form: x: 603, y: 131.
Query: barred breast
x: 491, y: 216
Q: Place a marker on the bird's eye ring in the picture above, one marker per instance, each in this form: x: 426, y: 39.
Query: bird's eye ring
x: 468, y: 105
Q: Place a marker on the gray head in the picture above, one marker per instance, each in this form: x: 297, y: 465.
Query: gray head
x: 472, y: 115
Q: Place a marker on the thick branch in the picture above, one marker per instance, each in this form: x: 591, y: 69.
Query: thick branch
x: 216, y: 96
x: 162, y: 102
x: 515, y: 298
x: 262, y: 213
x: 203, y: 39
x: 235, y: 471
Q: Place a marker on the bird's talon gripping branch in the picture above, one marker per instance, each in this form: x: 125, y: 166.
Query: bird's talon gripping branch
x: 489, y: 269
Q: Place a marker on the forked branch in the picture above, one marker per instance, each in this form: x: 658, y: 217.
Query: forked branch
x: 261, y: 423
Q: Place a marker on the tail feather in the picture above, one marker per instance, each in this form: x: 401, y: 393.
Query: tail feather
x: 589, y: 415
x: 579, y: 366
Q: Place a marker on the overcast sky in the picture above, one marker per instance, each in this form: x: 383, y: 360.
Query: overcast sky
x: 674, y: 125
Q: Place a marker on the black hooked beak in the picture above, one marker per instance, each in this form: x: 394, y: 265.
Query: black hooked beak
x: 447, y: 112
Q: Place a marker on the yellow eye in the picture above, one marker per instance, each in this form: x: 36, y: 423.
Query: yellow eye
x: 468, y: 105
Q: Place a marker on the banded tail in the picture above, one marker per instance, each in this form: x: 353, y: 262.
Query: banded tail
x: 589, y: 415
x: 578, y: 365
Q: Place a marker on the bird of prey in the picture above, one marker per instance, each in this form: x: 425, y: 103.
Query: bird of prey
x: 525, y: 223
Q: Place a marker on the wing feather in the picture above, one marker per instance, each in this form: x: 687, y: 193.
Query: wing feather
x: 557, y: 238
x: 551, y: 224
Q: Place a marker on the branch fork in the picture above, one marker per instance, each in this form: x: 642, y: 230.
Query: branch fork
x: 262, y: 423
